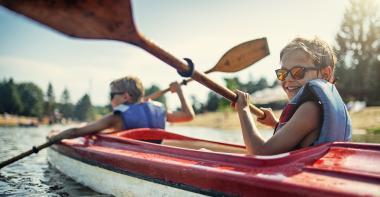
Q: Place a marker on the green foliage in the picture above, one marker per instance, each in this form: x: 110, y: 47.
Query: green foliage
x: 83, y: 110
x: 28, y: 99
x: 152, y: 89
x: 32, y: 99
x: 65, y: 97
x: 224, y: 105
x: 50, y: 94
x: 212, y: 101
x: 10, y: 101
x: 217, y: 103
x: 66, y: 109
x: 375, y: 130
x: 49, y: 105
x: 233, y: 83
x: 198, y: 107
x: 358, y: 47
x: 102, y: 110
x: 253, y: 86
x: 65, y: 106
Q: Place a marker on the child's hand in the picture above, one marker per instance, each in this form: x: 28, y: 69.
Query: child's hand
x: 270, y: 119
x: 52, y: 133
x: 174, y: 87
x: 242, y: 101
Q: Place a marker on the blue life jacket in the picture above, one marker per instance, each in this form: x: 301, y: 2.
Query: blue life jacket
x: 142, y: 115
x: 336, y: 123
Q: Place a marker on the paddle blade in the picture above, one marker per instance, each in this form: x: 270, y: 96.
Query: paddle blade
x: 100, y: 19
x: 242, y: 56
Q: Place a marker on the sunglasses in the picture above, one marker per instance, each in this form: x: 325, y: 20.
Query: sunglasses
x: 112, y: 94
x: 297, y: 72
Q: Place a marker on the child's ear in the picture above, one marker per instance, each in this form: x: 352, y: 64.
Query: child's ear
x: 327, y: 73
x: 127, y: 96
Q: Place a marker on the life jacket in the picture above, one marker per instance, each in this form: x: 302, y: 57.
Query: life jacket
x: 142, y: 115
x: 336, y: 123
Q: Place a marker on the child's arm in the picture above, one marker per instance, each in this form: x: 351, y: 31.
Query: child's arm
x: 186, y: 113
x: 305, y: 121
x: 108, y: 122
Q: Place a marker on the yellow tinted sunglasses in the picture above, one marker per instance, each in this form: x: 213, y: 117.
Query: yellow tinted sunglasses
x: 297, y: 72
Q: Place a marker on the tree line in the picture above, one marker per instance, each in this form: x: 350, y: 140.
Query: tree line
x: 216, y: 102
x: 27, y: 99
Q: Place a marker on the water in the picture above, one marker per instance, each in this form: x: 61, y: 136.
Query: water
x: 33, y: 176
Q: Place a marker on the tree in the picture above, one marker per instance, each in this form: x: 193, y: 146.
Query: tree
x: 212, y: 101
x: 101, y: 111
x: 215, y: 102
x: 66, y: 107
x: 83, y: 109
x: 65, y: 96
x: 152, y: 89
x: 197, y: 106
x: 358, y: 46
x: 32, y: 98
x: 10, y: 101
x: 233, y: 83
x: 253, y: 86
x: 262, y: 84
x: 49, y: 105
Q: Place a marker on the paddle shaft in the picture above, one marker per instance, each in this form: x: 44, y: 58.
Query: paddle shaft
x: 200, y: 77
x: 235, y: 59
x: 27, y: 153
x: 162, y: 92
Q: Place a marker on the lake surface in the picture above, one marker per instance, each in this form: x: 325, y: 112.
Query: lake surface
x: 33, y: 176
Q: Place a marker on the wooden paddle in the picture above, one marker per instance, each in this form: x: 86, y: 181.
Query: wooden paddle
x: 235, y: 59
x: 103, y: 19
x: 112, y: 20
x: 27, y: 153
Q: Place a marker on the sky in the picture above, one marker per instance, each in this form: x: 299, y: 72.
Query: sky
x: 200, y: 30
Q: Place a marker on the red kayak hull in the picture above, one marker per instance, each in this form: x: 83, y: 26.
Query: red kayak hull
x: 331, y: 169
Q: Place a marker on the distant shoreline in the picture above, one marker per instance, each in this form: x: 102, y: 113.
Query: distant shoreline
x: 13, y: 120
x: 362, y: 121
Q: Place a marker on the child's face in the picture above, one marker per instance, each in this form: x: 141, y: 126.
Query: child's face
x: 297, y: 58
x: 120, y: 98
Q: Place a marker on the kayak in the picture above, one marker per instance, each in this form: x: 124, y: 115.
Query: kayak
x: 155, y: 162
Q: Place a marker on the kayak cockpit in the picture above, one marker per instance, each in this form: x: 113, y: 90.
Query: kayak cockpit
x: 163, y: 137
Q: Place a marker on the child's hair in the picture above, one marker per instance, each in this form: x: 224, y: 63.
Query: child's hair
x: 130, y: 84
x: 319, y: 51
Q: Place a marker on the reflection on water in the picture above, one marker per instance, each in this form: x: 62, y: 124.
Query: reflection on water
x: 33, y: 176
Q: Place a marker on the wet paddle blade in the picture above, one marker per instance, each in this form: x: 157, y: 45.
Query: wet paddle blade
x: 100, y: 19
x: 242, y: 56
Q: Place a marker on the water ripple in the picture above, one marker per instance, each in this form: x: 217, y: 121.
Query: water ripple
x: 33, y: 176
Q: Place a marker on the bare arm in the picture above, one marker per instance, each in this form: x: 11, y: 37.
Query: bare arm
x: 108, y: 122
x: 154, y: 96
x: 270, y: 119
x: 186, y: 113
x: 305, y: 121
